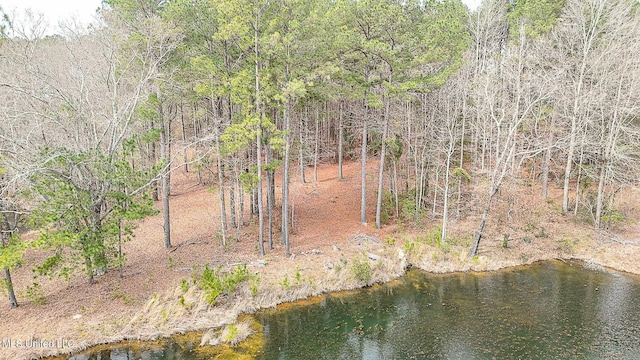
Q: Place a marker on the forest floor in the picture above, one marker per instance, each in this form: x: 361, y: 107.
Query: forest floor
x: 326, y: 237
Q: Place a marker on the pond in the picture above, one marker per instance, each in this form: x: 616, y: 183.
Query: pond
x: 550, y: 310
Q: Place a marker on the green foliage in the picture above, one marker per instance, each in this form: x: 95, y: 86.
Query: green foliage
x: 542, y: 233
x: 460, y: 173
x: 395, y: 146
x: 362, y: 271
x: 12, y: 252
x: 612, y: 217
x: 432, y: 237
x: 232, y: 332
x: 215, y: 282
x: 254, y: 281
x: 285, y: 284
x: 185, y: 285
x: 409, y: 211
x: 536, y: 17
x: 35, y: 293
x: 410, y: 246
x: 118, y: 294
x: 566, y: 245
x: 537, y: 231
x: 90, y: 203
x: 298, y: 275
x: 388, y: 207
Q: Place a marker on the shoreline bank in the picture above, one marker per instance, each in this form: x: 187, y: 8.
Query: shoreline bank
x: 327, y: 271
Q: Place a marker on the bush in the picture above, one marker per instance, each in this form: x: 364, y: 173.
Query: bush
x: 36, y: 294
x: 612, y: 217
x: 409, y: 211
x: 362, y: 271
x: 215, y: 282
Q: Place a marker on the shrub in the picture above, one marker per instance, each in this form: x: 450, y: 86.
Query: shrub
x: 184, y: 285
x: 36, y: 294
x: 285, y: 284
x: 362, y: 271
x: 215, y: 282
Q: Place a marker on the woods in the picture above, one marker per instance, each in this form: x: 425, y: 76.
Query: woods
x: 94, y: 121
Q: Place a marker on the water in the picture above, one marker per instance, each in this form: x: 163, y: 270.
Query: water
x: 550, y: 310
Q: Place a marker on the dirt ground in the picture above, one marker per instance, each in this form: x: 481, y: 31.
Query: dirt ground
x: 327, y: 213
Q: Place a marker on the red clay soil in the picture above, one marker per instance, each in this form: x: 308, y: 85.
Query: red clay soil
x: 327, y: 212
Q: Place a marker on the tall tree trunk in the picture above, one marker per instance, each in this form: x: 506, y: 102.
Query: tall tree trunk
x: 383, y: 152
x: 155, y: 191
x: 363, y: 173
x: 166, y: 184
x: 13, y: 302
x: 435, y: 193
x: 600, y: 196
x: 285, y: 181
x: 184, y: 139
x: 301, y: 152
x: 546, y: 167
x: 445, y: 203
x: 480, y: 232
x: 576, y: 207
x: 340, y: 144
x: 223, y: 208
x: 396, y: 189
x: 241, y: 203
x: 270, y: 197
x: 258, y: 141
x: 232, y: 196
x: 569, y: 165
x: 315, y: 150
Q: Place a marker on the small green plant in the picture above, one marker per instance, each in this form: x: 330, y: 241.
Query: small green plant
x: 231, y: 333
x: 505, y: 241
x: 361, y: 271
x: 410, y: 212
x: 36, y: 294
x: 298, y: 276
x: 185, y: 285
x: 612, y: 217
x: 118, y: 294
x: 184, y: 303
x: 435, y: 256
x: 285, y: 284
x: 542, y: 233
x: 566, y: 245
x: 390, y: 241
x: 311, y: 283
x: 410, y: 246
x: 215, y: 282
x: 432, y: 237
x: 254, y: 280
x: 529, y: 227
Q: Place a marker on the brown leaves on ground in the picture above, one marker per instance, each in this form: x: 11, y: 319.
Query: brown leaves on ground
x: 327, y: 213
